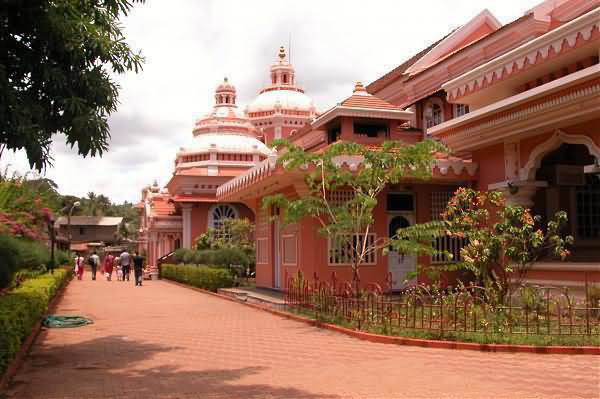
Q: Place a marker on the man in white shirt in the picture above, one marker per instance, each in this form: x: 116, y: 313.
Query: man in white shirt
x: 125, y: 264
x: 94, y: 262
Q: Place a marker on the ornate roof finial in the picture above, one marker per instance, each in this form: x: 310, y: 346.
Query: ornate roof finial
x: 281, y: 53
x: 225, y: 80
x: 359, y: 89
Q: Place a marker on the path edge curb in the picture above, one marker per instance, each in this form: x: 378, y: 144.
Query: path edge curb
x: 15, y: 364
x: 424, y: 343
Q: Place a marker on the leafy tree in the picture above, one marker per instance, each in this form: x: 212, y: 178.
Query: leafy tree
x: 56, y: 58
x: 348, y: 219
x: 503, y: 241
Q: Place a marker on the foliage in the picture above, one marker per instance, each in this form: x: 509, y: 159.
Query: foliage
x: 57, y: 68
x: 199, y: 276
x: 179, y: 254
x: 235, y: 234
x: 17, y: 254
x: 21, y: 308
x: 349, y: 219
x: 24, y: 212
x: 503, y: 240
x: 220, y: 258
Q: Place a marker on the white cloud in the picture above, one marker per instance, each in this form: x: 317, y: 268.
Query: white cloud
x: 191, y: 45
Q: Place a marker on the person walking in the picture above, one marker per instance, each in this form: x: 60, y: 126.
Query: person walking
x: 138, y: 268
x: 125, y: 264
x: 94, y: 261
x: 108, y: 266
x: 79, y: 266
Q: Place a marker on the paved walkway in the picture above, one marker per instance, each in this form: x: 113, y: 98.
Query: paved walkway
x: 162, y: 341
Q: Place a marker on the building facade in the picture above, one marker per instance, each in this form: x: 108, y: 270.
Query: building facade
x: 517, y: 104
x: 225, y: 143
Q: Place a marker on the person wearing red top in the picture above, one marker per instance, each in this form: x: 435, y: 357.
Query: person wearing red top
x: 108, y: 266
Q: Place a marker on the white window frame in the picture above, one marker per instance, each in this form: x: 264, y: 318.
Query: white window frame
x: 211, y: 215
x: 460, y: 109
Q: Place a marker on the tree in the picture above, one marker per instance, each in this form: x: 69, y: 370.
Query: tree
x: 55, y: 63
x: 348, y: 219
x: 503, y: 241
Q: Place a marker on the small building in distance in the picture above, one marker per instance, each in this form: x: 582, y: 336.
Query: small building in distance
x: 84, y: 230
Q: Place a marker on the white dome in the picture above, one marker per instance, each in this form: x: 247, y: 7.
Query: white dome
x: 225, y: 143
x: 288, y: 99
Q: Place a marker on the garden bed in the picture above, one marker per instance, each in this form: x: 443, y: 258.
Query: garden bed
x: 21, y: 311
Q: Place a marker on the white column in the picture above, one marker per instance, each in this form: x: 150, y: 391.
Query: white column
x: 186, y: 210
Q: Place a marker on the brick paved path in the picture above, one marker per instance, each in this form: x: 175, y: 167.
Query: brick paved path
x: 164, y: 341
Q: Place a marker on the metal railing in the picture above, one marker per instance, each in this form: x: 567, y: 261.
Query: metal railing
x: 525, y: 309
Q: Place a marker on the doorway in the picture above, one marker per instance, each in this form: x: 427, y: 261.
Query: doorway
x: 399, y: 264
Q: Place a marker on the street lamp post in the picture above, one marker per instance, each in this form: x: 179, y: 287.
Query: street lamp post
x: 75, y: 204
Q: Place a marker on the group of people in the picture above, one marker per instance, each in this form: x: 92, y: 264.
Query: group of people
x: 121, y: 263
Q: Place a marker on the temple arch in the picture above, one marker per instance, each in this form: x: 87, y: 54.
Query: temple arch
x: 527, y: 172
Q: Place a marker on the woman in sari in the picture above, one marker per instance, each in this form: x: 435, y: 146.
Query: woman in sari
x: 79, y: 267
x: 108, y: 266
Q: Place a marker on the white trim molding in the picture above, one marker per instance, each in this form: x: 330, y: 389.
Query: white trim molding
x: 527, y: 172
x: 515, y: 60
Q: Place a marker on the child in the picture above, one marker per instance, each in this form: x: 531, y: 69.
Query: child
x: 119, y: 269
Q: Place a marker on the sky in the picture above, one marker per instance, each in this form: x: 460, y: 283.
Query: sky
x: 191, y: 45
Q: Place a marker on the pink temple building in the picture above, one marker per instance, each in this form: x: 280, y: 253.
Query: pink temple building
x: 226, y: 143
x: 519, y: 105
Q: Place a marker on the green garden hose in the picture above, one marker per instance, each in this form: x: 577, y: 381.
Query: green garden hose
x: 66, y: 321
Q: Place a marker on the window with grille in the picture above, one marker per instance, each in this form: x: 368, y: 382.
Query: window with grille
x: 587, y: 202
x: 460, y: 110
x: 219, y: 214
x: 436, y: 116
x: 340, y: 197
x: 452, y: 245
x: 261, y: 250
x: 289, y: 243
x: 342, y: 250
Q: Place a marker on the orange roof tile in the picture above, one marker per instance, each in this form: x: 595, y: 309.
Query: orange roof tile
x: 161, y: 206
x: 361, y: 99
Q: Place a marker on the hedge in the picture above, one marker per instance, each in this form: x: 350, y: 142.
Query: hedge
x: 204, y: 277
x: 22, y: 308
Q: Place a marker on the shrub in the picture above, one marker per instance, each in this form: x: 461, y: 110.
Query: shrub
x: 17, y: 253
x: 21, y: 308
x: 188, y: 257
x: 179, y: 254
x: 199, y: 276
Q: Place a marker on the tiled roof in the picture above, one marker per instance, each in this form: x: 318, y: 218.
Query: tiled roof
x: 90, y: 221
x: 161, y: 206
x: 360, y: 98
x: 399, y: 70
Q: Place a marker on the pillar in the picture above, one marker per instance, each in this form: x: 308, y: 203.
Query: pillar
x: 186, y: 210
x: 519, y: 192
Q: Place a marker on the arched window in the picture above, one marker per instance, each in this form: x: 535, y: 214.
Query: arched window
x: 218, y: 213
x: 433, y: 112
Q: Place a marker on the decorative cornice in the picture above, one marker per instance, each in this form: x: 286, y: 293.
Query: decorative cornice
x: 456, y: 135
x: 525, y: 55
x: 252, y: 175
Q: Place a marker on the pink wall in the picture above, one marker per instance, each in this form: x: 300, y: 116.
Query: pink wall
x: 312, y: 245
x: 491, y: 165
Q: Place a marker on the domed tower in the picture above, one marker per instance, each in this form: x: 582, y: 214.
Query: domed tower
x: 224, y: 141
x: 281, y: 107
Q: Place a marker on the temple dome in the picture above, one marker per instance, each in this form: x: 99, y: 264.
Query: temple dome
x: 283, y: 93
x: 286, y: 99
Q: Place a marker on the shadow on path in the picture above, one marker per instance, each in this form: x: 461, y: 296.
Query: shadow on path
x: 115, y: 367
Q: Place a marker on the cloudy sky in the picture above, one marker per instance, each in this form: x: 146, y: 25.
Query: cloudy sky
x: 191, y: 45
